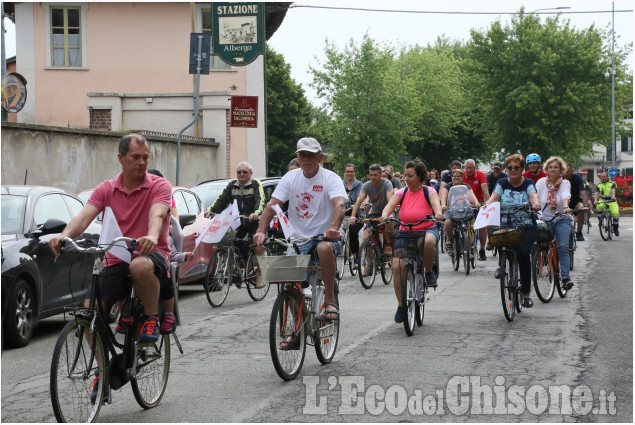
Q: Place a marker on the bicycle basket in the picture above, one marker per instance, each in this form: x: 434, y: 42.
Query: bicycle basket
x: 544, y: 234
x: 405, y: 244
x: 283, y: 268
x: 510, y: 236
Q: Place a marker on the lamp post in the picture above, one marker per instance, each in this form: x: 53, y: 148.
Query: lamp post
x: 611, y: 70
x: 551, y: 8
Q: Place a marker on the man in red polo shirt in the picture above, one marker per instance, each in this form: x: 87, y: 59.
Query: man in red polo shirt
x: 478, y: 182
x: 535, y: 172
x: 141, y: 205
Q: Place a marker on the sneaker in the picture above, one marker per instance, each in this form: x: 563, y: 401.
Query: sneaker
x: 528, y: 302
x: 567, y: 284
x: 616, y: 231
x: 167, y: 322
x: 497, y: 273
x: 149, y: 330
x: 431, y: 279
x: 307, y: 293
x: 93, y: 388
x: 579, y: 236
x: 400, y: 315
x: 481, y: 255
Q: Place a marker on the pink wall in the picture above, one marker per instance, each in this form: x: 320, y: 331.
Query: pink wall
x: 131, y: 48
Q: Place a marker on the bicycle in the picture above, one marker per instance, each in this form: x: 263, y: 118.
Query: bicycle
x: 88, y: 361
x: 346, y: 256
x: 462, y: 232
x: 295, y: 319
x: 506, y: 238
x: 605, y: 218
x: 227, y: 266
x: 414, y: 288
x: 375, y: 254
x: 545, y: 265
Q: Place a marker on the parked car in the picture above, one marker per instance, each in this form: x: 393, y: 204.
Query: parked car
x: 33, y: 286
x: 210, y: 190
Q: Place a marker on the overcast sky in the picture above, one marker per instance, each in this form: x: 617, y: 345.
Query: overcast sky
x: 301, y: 37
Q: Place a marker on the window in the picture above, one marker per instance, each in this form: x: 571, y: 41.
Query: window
x: 73, y: 204
x: 627, y: 144
x: 206, y: 25
x: 66, y: 37
x: 65, y: 24
x: 50, y: 206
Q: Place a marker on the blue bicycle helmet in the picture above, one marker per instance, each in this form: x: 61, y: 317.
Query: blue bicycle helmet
x: 533, y: 157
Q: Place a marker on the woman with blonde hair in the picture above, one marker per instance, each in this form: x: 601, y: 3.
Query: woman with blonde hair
x: 554, y: 192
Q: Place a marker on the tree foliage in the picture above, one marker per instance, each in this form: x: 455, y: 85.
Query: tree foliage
x: 288, y: 113
x: 541, y: 87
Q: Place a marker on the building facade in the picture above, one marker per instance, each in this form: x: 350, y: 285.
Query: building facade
x: 124, y: 66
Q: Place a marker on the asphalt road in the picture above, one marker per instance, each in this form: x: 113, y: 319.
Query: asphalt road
x: 465, y: 355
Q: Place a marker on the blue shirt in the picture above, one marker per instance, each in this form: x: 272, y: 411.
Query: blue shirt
x: 513, y: 197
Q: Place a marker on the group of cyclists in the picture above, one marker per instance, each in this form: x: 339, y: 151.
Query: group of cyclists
x: 316, y: 201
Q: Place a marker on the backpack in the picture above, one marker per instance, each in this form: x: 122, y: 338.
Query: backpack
x: 425, y: 193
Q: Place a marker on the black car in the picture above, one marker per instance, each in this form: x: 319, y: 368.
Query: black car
x: 33, y: 285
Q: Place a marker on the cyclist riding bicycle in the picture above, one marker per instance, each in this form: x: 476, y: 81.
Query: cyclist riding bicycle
x: 148, y: 222
x: 353, y: 188
x: 466, y: 200
x: 554, y: 193
x: 250, y: 197
x: 512, y: 192
x: 316, y: 206
x: 379, y: 191
x: 534, y: 172
x: 416, y: 201
x: 478, y: 182
x: 579, y: 197
x: 605, y: 189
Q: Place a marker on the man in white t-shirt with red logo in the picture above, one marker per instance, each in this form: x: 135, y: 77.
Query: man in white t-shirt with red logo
x: 317, y: 200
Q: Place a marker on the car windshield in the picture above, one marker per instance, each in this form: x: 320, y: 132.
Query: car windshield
x: 209, y: 192
x: 12, y: 214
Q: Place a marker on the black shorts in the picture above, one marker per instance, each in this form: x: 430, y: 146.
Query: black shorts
x: 114, y: 280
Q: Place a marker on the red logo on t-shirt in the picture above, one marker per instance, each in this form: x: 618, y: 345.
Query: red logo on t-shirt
x: 317, y: 188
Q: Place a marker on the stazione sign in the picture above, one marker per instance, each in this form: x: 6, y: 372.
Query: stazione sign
x: 244, y: 111
x: 238, y: 32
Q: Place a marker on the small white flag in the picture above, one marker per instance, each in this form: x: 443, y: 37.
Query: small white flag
x: 287, y: 229
x: 215, y: 230
x: 232, y: 211
x: 489, y: 216
x: 109, y: 231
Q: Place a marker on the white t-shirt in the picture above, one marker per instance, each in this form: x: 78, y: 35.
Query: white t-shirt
x: 564, y: 192
x: 310, y: 208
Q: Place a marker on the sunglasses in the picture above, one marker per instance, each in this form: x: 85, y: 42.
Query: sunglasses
x: 513, y: 168
x: 242, y: 172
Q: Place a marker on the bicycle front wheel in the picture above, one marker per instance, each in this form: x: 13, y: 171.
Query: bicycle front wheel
x: 386, y: 269
x: 217, y: 279
x: 467, y: 249
x: 367, y: 264
x: 571, y: 249
x: 456, y: 253
x: 507, y: 285
x: 340, y: 260
x: 421, y: 301
x: 152, y: 368
x: 556, y: 276
x: 253, y: 278
x: 287, y: 338
x: 78, y: 374
x: 326, y: 336
x: 351, y: 264
x: 408, y: 295
x: 544, y: 280
x: 604, y: 228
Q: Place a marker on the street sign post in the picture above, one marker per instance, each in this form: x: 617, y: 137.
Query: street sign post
x: 238, y: 31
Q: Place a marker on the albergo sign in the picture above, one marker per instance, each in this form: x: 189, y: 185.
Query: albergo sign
x: 238, y: 32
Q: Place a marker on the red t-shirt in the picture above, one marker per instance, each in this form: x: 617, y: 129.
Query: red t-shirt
x: 132, y: 210
x: 475, y: 183
x: 414, y: 208
x: 541, y: 173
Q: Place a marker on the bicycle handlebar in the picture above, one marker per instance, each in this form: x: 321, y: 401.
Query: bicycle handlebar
x: 67, y: 242
x: 411, y: 225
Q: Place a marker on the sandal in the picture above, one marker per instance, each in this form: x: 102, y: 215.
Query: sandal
x: 327, y: 315
x: 291, y: 343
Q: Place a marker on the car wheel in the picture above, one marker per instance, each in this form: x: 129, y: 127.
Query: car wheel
x: 20, y: 318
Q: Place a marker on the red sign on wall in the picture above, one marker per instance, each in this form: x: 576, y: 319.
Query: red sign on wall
x: 244, y: 111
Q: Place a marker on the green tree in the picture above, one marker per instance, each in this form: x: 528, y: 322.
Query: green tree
x: 541, y: 87
x: 288, y: 113
x: 366, y: 104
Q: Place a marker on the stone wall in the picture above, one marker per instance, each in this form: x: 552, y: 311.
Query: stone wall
x: 78, y: 159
